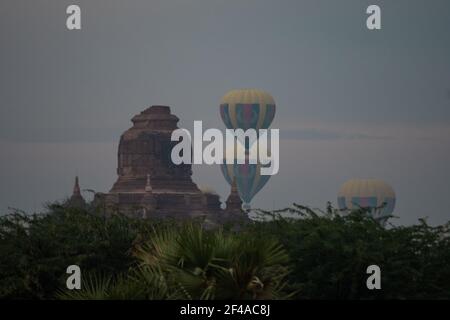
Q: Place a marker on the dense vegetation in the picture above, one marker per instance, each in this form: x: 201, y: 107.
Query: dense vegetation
x: 311, y: 256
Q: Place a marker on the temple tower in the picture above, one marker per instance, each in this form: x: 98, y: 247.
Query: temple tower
x: 76, y: 200
x: 149, y: 184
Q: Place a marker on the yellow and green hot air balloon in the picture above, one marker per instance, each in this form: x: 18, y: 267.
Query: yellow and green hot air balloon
x: 249, y: 180
x: 247, y: 109
x: 372, y: 194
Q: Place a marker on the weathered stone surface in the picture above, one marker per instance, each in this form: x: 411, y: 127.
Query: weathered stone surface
x: 145, y: 149
x: 149, y: 184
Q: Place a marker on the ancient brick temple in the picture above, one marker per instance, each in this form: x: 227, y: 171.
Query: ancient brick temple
x: 148, y: 183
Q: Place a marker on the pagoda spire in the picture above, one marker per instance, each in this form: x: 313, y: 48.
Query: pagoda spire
x: 148, y: 187
x: 76, y: 200
x: 234, y: 202
x: 76, y: 188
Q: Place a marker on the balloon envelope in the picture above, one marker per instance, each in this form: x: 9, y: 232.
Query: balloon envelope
x: 247, y: 108
x: 249, y: 180
x: 372, y: 194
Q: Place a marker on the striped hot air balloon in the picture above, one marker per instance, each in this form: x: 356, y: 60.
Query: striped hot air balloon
x: 249, y: 180
x: 247, y: 109
x: 372, y: 194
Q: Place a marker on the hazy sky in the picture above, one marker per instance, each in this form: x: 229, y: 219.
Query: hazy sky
x: 351, y: 103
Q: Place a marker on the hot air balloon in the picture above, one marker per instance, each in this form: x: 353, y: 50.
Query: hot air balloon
x: 249, y: 180
x: 247, y: 109
x: 372, y: 194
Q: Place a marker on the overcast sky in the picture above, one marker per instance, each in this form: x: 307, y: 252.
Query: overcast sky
x: 351, y: 103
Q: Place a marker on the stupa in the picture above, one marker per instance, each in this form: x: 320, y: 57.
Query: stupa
x: 149, y: 184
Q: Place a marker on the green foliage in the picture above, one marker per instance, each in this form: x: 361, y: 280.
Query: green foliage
x: 187, y: 262
x: 199, y: 264
x: 330, y: 254
x: 97, y: 287
x: 309, y: 255
x: 37, y: 249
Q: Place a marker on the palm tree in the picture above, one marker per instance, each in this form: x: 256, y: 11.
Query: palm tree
x: 188, y: 262
x: 193, y: 263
